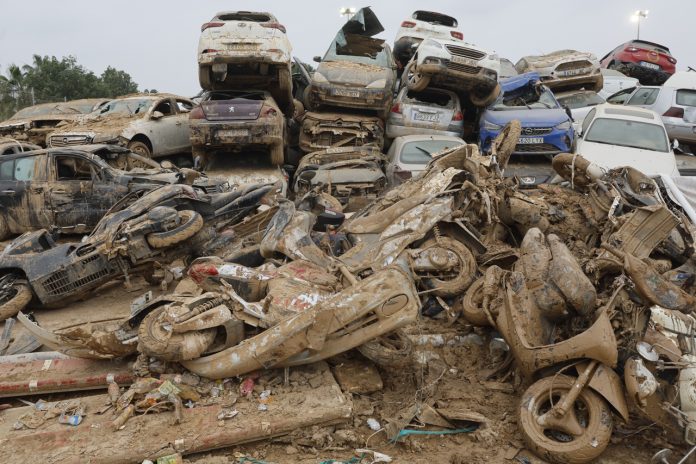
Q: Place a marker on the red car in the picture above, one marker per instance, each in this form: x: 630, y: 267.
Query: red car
x: 650, y: 63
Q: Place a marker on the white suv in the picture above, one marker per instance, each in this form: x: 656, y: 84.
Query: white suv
x: 457, y: 66
x: 421, y: 25
x: 246, y: 50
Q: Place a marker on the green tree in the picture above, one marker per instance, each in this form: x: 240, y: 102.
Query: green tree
x: 116, y: 83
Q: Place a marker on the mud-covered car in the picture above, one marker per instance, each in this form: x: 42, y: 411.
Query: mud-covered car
x: 150, y: 125
x: 455, y: 65
x: 354, y: 176
x: 357, y: 70
x: 429, y: 112
x: 246, y: 49
x: 10, y: 146
x: 324, y: 130
x: 231, y: 121
x: 33, y: 123
x: 72, y: 189
x: 564, y: 70
x: 421, y: 25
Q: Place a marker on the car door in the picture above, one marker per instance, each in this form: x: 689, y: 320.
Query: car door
x: 182, y: 135
x: 23, y: 193
x: 70, y: 192
x: 162, y: 124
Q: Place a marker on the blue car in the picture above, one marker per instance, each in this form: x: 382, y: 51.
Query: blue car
x: 546, y: 127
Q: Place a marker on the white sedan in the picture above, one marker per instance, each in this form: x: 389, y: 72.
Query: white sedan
x: 614, y: 136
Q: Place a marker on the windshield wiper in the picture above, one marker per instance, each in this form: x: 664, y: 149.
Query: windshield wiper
x: 424, y: 150
x: 525, y: 103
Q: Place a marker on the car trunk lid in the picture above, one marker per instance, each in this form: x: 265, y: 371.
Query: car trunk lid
x: 233, y: 109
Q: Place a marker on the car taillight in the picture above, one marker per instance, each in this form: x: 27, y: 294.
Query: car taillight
x: 458, y: 116
x: 269, y: 112
x: 674, y: 112
x: 214, y: 24
x: 198, y: 272
x: 210, y: 50
x: 396, y: 108
x: 457, y: 35
x: 197, y: 113
x: 402, y: 174
x: 278, y: 26
x: 632, y: 49
x: 672, y: 60
x: 408, y: 24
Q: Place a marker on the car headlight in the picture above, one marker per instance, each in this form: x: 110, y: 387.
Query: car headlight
x: 433, y: 43
x: 487, y: 125
x: 319, y: 77
x: 563, y: 126
x: 378, y: 84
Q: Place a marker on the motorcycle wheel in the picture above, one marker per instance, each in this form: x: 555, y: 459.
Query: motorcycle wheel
x: 483, y: 100
x: 456, y: 284
x: 471, y: 305
x: 391, y: 350
x: 553, y: 444
x: 154, y: 340
x: 192, y: 222
x: 572, y: 168
x: 15, y: 295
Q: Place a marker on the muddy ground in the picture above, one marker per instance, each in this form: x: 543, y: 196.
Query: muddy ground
x: 461, y: 376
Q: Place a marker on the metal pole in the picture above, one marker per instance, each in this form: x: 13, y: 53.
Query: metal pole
x: 638, y: 38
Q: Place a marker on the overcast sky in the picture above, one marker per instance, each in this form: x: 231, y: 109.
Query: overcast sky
x: 156, y: 40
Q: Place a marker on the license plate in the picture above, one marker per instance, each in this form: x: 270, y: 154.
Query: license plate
x: 654, y: 66
x: 242, y: 47
x: 527, y: 180
x: 428, y: 117
x: 233, y: 133
x: 528, y: 140
x: 462, y: 60
x: 574, y: 72
x: 346, y: 93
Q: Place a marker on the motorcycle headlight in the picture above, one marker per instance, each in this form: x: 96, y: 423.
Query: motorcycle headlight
x: 378, y: 84
x: 563, y: 126
x: 487, y: 125
x: 319, y: 77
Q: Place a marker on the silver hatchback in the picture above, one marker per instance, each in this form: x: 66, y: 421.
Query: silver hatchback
x: 429, y: 112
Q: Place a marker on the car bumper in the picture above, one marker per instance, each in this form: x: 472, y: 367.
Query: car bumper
x: 226, y: 134
x: 458, y: 76
x: 646, y: 76
x: 244, y: 57
x: 553, y: 143
x: 553, y: 82
x: 396, y: 130
x: 350, y: 97
x: 683, y: 132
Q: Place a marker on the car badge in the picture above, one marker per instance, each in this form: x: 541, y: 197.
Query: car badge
x: 231, y: 109
x: 65, y: 140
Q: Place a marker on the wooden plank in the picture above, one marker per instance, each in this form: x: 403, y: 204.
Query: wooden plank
x: 61, y: 375
x: 153, y: 435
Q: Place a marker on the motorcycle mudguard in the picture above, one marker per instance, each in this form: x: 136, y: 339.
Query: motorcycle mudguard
x: 386, y: 294
x: 608, y: 384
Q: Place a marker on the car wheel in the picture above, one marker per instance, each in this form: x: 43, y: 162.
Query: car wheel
x: 392, y: 350
x: 483, y: 100
x: 204, y: 78
x: 140, y: 148
x: 191, y: 223
x: 414, y: 80
x: 15, y: 295
x: 599, y: 83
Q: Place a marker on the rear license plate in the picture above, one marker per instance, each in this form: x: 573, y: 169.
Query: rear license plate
x: 346, y: 93
x: 242, y: 47
x: 462, y: 60
x: 573, y: 72
x: 654, y: 66
x: 428, y: 117
x: 527, y: 180
x: 233, y: 133
x: 528, y: 140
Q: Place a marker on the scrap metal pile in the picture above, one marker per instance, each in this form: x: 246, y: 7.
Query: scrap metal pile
x: 590, y: 284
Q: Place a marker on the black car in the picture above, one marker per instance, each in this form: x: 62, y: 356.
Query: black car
x: 72, y: 189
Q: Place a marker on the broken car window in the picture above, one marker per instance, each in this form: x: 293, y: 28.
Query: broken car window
x: 380, y: 59
x: 17, y: 169
x: 434, y: 98
x: 628, y: 134
x: 580, y: 100
x: 529, y: 96
x: 421, y: 152
x: 127, y: 107
x: 73, y: 168
x: 183, y: 106
x: 256, y: 17
x: 165, y: 108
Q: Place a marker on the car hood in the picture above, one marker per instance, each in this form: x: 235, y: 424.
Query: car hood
x: 613, y: 156
x: 350, y: 73
x: 540, y: 117
x: 11, y: 123
x: 560, y: 56
x: 100, y: 124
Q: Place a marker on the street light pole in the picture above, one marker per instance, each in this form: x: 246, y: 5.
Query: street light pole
x: 637, y: 16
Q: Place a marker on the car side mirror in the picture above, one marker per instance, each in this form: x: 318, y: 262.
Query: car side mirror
x: 675, y: 144
x: 317, y: 59
x: 157, y: 115
x: 569, y: 113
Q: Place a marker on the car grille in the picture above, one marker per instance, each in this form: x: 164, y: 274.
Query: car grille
x: 573, y: 65
x: 60, y: 283
x: 465, y: 52
x: 536, y: 131
x: 67, y: 140
x: 463, y: 68
x: 329, y: 139
x: 536, y: 148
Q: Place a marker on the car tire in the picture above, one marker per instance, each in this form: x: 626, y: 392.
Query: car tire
x: 472, y: 301
x: 4, y: 227
x: 414, y: 80
x: 154, y: 340
x: 392, y: 350
x: 465, y: 276
x: 598, y: 84
x: 482, y: 101
x: 192, y: 223
x: 504, y: 143
x: 140, y: 148
x: 204, y: 78
x: 17, y: 298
